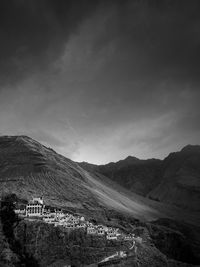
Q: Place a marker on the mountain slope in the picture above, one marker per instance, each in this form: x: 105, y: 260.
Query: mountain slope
x: 174, y: 180
x: 180, y: 182
x: 29, y: 169
x: 139, y: 176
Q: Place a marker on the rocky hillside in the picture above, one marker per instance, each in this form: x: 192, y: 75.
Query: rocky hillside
x: 29, y: 169
x: 174, y: 180
x: 180, y: 183
x: 139, y: 176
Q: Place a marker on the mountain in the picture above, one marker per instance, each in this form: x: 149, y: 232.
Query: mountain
x: 139, y: 176
x: 180, y: 182
x: 29, y: 169
x: 174, y: 180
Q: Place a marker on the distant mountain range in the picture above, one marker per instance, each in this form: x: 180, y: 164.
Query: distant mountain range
x: 174, y: 180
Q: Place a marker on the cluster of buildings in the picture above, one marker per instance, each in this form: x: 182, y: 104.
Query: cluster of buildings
x: 36, y: 208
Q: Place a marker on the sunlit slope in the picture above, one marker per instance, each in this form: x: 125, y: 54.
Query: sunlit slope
x: 116, y: 197
x: 138, y: 176
x: 28, y: 168
x: 174, y: 180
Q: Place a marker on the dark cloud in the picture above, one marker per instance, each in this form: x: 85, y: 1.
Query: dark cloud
x: 99, y: 80
x: 34, y: 32
x: 153, y: 33
x: 163, y: 37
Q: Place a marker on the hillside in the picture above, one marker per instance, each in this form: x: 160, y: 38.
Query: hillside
x: 180, y: 183
x: 174, y: 180
x: 29, y: 169
x: 138, y: 176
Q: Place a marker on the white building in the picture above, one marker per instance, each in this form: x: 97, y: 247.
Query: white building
x: 74, y: 220
x: 35, y: 207
x: 60, y: 214
x: 128, y: 237
x: 38, y: 200
x: 81, y: 225
x: 20, y: 211
x: 112, y: 233
x: 49, y: 219
x: 91, y: 230
x: 101, y: 230
x: 111, y: 236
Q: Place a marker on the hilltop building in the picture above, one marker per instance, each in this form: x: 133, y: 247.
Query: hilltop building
x: 35, y: 207
x: 60, y: 218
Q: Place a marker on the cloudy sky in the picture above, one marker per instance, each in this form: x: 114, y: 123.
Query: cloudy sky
x: 100, y: 80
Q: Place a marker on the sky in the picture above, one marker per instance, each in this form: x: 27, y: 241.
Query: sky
x: 98, y: 80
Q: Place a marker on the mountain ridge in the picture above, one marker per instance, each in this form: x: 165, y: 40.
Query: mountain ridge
x: 27, y: 169
x: 173, y: 180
